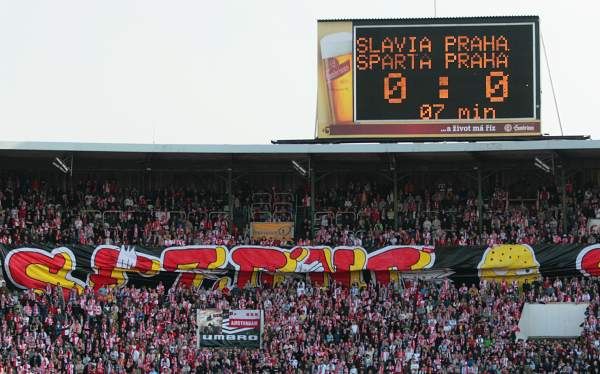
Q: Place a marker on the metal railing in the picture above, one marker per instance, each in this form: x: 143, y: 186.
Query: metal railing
x: 196, y: 217
x: 283, y: 206
x: 261, y: 216
x: 341, y: 217
x: 261, y: 206
x: 283, y: 197
x: 282, y: 216
x: 92, y: 214
x: 317, y: 217
x: 360, y: 233
x: 111, y: 213
x: 262, y: 197
x: 178, y: 213
x: 213, y: 216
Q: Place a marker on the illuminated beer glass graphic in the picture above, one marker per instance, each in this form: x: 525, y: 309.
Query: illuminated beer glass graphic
x: 336, y: 51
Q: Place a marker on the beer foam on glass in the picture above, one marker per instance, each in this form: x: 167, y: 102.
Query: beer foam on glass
x: 336, y: 52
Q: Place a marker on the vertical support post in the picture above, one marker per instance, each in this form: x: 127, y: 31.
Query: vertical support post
x: 230, y: 192
x: 197, y: 328
x: 563, y: 205
x: 71, y: 175
x: 480, y: 199
x: 311, y: 173
x: 395, y: 199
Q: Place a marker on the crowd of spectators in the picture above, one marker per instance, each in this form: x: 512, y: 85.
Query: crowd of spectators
x: 363, y: 214
x: 104, y: 213
x: 404, y: 327
x: 417, y: 326
x: 94, y: 212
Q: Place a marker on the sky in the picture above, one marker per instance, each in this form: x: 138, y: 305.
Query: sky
x: 228, y: 72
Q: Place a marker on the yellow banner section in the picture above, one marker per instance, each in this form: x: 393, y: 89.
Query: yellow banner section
x: 272, y: 230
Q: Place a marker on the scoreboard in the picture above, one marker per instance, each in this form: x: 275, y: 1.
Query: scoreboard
x: 435, y: 77
x: 445, y: 72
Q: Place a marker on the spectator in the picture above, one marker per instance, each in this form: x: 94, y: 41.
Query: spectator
x: 413, y: 326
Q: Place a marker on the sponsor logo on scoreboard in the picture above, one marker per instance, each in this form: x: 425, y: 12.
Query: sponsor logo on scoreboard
x: 417, y: 129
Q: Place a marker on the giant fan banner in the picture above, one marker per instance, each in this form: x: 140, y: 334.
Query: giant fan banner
x: 77, y: 267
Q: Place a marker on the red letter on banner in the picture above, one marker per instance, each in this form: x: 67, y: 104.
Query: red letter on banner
x: 588, y: 261
x: 316, y: 261
x: 188, y: 259
x: 348, y: 263
x: 386, y: 261
x: 250, y: 260
x: 32, y: 268
x: 111, y: 264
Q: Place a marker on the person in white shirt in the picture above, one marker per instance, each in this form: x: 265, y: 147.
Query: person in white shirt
x: 135, y: 355
x: 427, y: 225
x: 300, y: 288
x: 322, y: 368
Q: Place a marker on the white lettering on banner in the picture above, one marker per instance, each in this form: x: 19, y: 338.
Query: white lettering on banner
x: 230, y: 337
x: 244, y: 323
x: 244, y: 314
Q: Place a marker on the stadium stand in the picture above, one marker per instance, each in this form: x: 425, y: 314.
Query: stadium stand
x: 416, y: 327
x: 33, y: 210
x: 436, y: 196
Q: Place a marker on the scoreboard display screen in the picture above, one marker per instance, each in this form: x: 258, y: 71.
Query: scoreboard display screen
x: 440, y: 77
x: 445, y: 72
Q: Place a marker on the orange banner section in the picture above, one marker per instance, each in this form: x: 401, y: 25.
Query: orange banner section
x: 272, y: 230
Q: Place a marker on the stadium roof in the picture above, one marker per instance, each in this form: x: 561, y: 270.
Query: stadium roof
x: 592, y: 146
x: 275, y: 158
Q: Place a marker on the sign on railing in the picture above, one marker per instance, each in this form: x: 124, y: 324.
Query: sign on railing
x: 229, y: 328
x: 283, y: 231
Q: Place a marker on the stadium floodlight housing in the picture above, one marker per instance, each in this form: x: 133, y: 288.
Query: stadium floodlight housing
x: 62, y: 165
x: 59, y: 167
x: 302, y: 171
x: 543, y: 166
